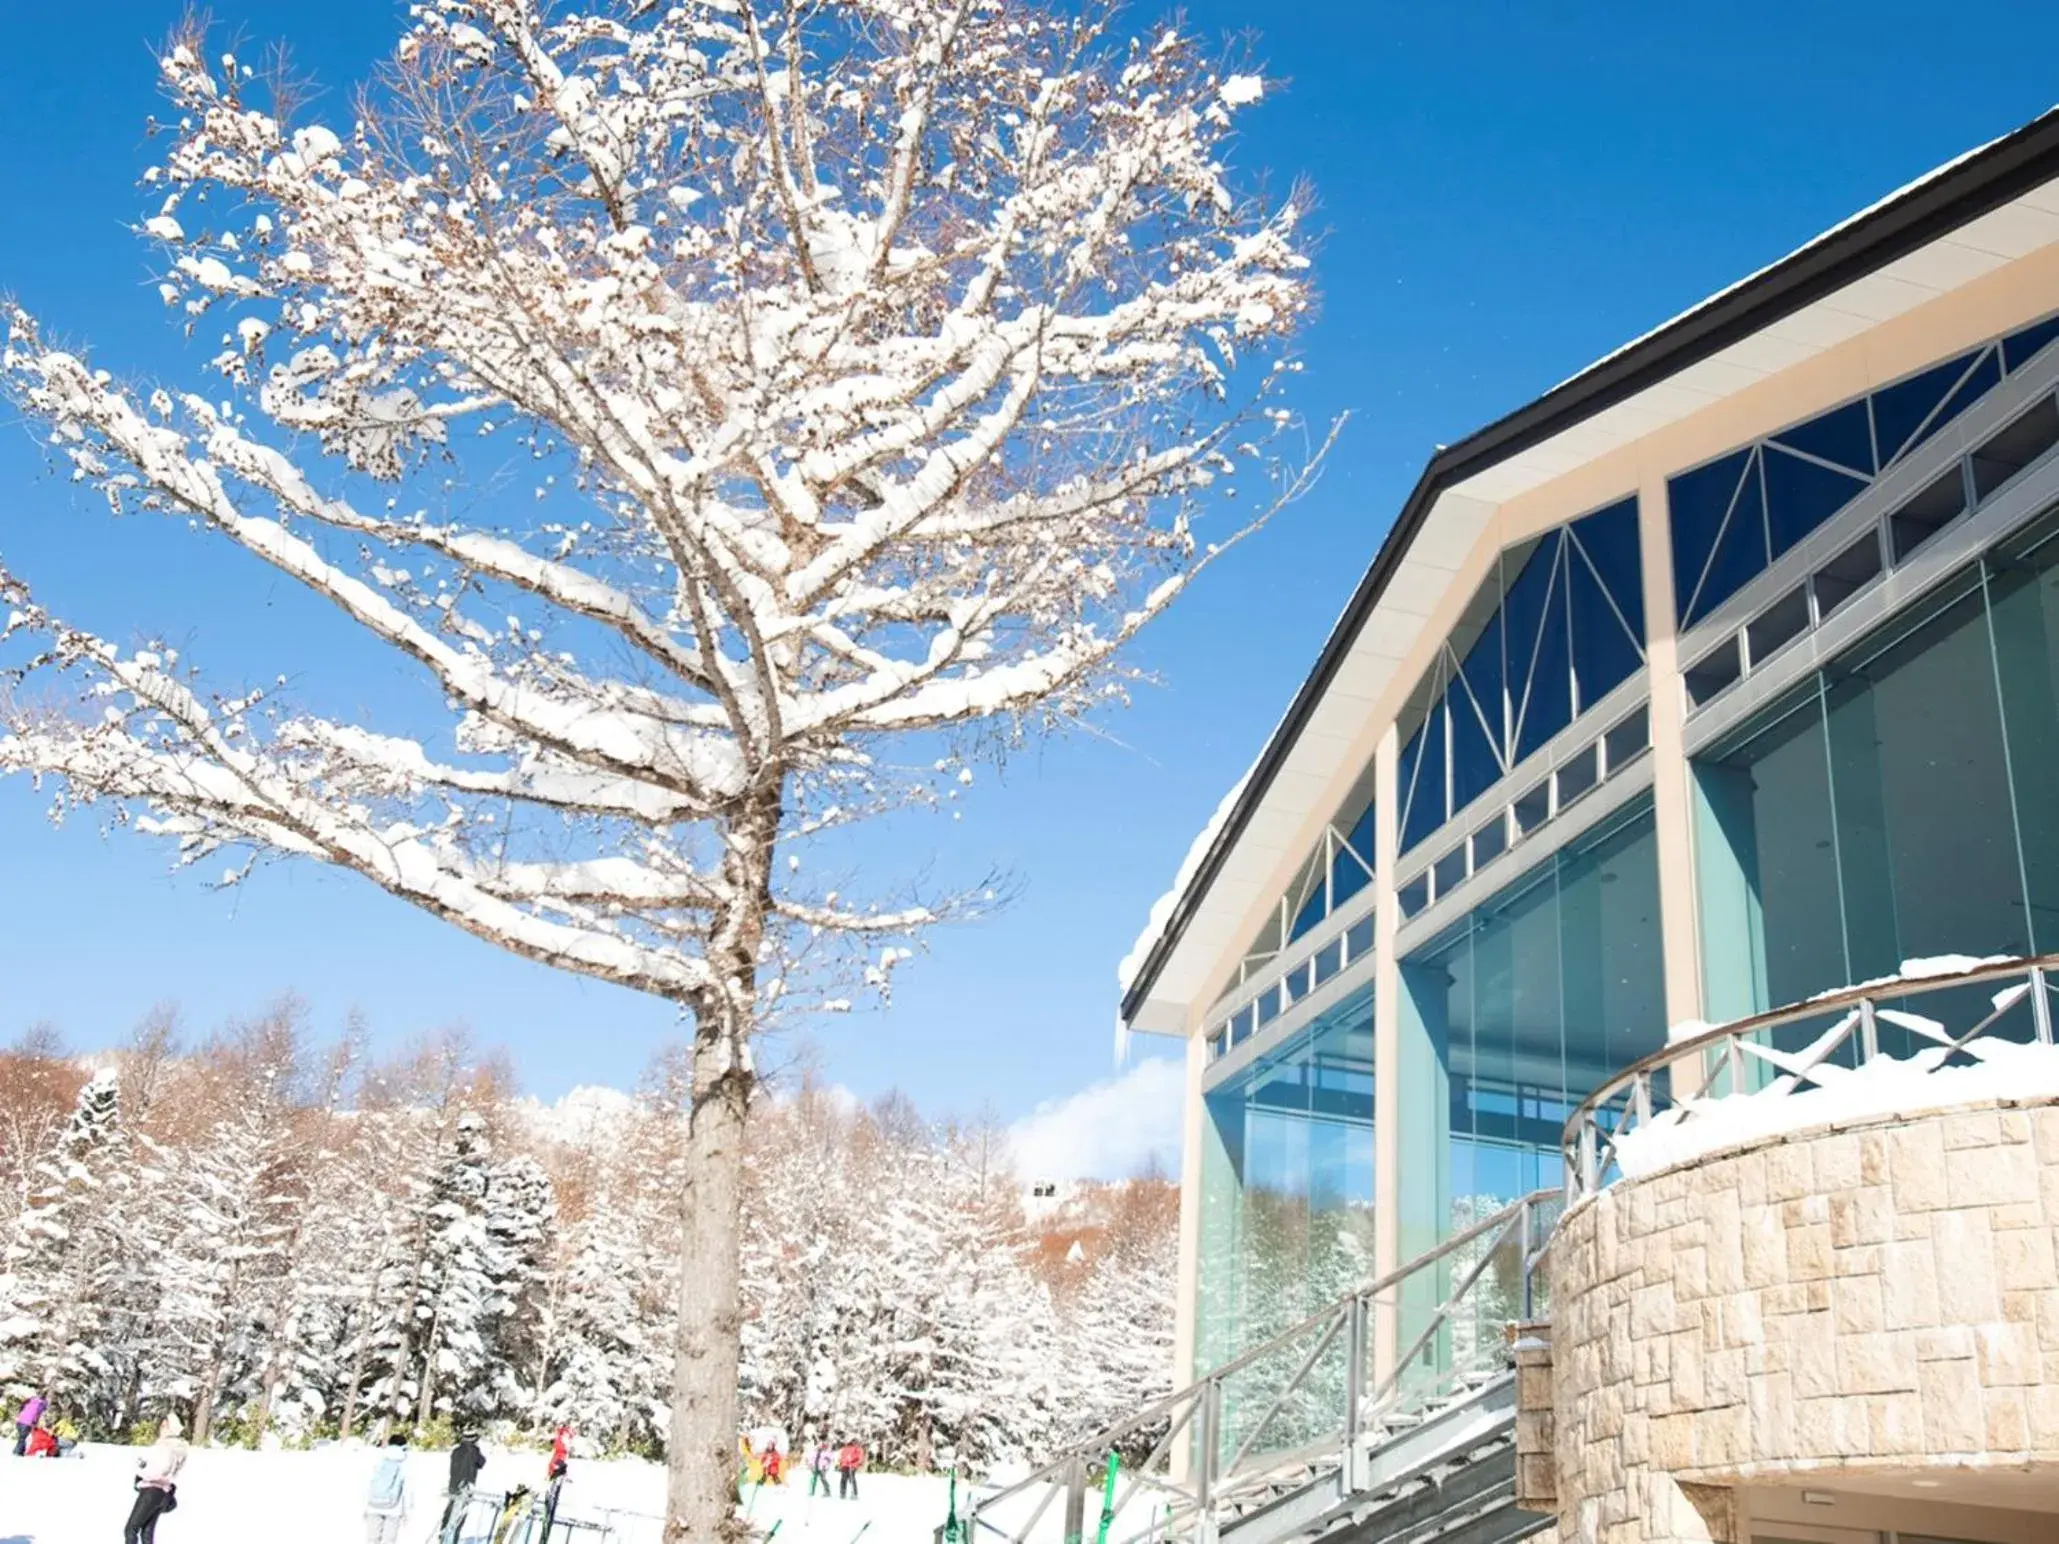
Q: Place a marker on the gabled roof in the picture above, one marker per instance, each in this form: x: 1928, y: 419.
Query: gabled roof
x: 1567, y: 424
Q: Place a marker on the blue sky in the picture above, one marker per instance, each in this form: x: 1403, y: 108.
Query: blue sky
x: 1506, y: 192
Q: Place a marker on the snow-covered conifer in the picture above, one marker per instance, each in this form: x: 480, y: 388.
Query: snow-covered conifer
x: 59, y: 1267
x: 237, y: 1190
x: 519, y: 1213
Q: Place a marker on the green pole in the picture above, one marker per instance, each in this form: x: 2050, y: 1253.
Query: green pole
x: 1108, y: 1499
x: 953, y: 1532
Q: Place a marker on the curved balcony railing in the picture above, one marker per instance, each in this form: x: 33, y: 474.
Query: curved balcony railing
x: 1800, y: 1066
x: 1305, y: 1403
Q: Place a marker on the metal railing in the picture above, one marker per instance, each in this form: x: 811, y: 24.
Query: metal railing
x: 1826, y: 1037
x: 1213, y: 1448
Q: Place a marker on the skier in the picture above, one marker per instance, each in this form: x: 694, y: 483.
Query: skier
x: 820, y: 1462
x: 42, y: 1440
x: 25, y: 1421
x: 157, y: 1483
x: 466, y: 1462
x: 386, y: 1498
x: 850, y: 1459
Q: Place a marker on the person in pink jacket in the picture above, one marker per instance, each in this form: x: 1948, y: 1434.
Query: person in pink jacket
x: 25, y: 1421
x: 157, y: 1483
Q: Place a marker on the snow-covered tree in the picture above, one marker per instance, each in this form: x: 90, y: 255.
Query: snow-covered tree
x: 608, y: 1329
x: 38, y: 1086
x: 454, y: 1294
x: 1118, y: 1313
x: 519, y: 1214
x: 872, y: 357
x: 59, y: 1268
x: 235, y: 1190
x: 296, y: 1245
x: 299, y: 1315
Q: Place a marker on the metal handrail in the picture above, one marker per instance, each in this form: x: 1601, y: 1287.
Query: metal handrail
x: 1361, y: 1403
x: 1633, y: 1098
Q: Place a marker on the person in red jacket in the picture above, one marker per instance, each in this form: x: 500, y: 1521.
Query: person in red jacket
x: 850, y: 1458
x: 42, y: 1441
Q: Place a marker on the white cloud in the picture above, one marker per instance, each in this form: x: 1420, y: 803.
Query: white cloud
x: 1108, y: 1130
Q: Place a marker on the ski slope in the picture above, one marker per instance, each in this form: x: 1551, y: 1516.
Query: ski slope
x: 230, y: 1496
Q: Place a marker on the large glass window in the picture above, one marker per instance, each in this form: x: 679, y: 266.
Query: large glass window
x: 1515, y: 1013
x: 1897, y: 805
x: 1339, y: 867
x: 1510, y: 1018
x: 1287, y: 1188
x: 1558, y: 626
x: 1735, y: 516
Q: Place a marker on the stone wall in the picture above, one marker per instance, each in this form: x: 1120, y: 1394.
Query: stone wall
x: 1537, y: 1475
x: 1880, y: 1296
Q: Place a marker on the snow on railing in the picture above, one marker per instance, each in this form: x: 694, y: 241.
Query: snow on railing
x: 1854, y: 1054
x: 1308, y: 1402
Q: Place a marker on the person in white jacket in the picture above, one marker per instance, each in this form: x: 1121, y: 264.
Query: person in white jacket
x: 157, y: 1483
x: 386, y: 1498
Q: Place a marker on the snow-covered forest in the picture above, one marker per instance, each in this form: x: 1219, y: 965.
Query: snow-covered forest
x: 280, y: 1238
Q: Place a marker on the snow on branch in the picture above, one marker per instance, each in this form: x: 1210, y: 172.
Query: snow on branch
x: 869, y: 366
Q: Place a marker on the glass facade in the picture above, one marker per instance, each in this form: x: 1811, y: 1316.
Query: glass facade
x: 1290, y: 985
x: 1558, y: 626
x: 1513, y: 1015
x: 1287, y: 1181
x: 1507, y: 1020
x: 1898, y: 804
x: 1287, y: 1221
x: 1733, y: 517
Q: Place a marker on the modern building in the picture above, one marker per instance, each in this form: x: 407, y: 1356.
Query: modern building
x: 1723, y: 675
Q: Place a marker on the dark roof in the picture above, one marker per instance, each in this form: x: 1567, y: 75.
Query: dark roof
x: 1938, y: 204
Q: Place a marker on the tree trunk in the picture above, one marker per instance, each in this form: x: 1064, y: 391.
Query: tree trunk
x: 426, y: 1389
x: 357, y: 1359
x: 546, y: 1348
x: 700, y: 1456
x: 203, y: 1405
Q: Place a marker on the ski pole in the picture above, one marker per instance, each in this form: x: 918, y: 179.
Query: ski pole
x: 861, y: 1531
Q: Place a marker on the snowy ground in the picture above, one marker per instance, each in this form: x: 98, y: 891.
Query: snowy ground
x: 235, y: 1497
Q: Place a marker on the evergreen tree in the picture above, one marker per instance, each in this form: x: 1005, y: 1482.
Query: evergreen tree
x: 236, y: 1192
x: 60, y: 1269
x: 519, y: 1213
x: 454, y: 1303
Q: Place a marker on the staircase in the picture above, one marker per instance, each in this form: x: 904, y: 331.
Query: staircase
x: 1424, y: 1454
x: 1450, y: 1477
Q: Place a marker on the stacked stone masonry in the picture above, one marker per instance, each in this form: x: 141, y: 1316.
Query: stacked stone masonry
x: 1878, y: 1297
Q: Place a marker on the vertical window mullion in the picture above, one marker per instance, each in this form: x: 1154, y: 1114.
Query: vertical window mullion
x: 2002, y: 716
x: 1565, y: 574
